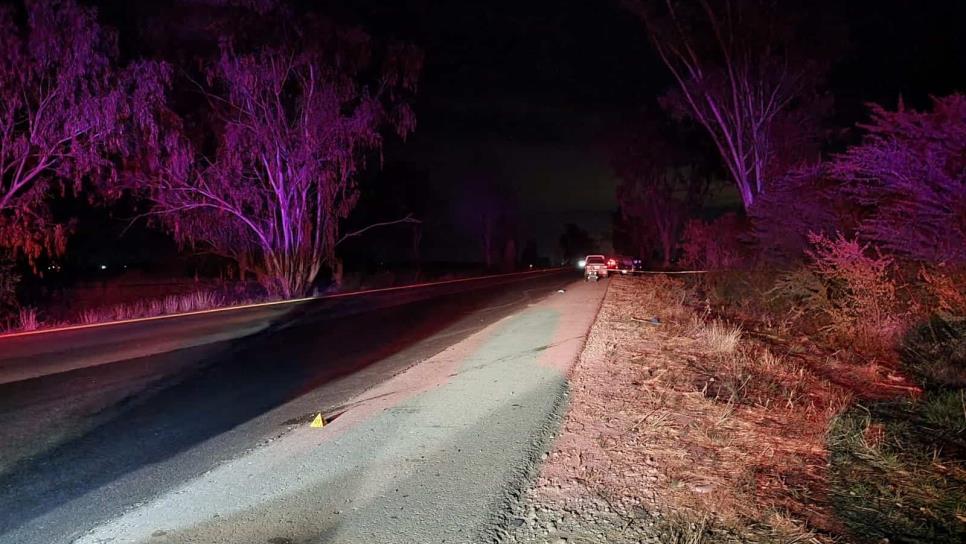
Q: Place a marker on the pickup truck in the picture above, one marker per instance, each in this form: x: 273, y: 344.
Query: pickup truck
x: 595, y: 267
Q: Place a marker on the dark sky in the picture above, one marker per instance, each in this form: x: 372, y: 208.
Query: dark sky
x: 529, y: 90
x: 524, y: 91
x: 536, y: 85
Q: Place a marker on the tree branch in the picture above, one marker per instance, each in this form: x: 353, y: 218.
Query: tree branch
x: 408, y: 219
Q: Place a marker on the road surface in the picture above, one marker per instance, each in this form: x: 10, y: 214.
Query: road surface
x: 85, y: 450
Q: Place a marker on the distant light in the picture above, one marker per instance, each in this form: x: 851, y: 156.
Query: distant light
x: 103, y: 267
x: 581, y: 263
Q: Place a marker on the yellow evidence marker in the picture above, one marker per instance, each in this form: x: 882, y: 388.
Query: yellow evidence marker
x: 318, y: 422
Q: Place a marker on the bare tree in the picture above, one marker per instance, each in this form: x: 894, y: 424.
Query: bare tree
x: 737, y: 75
x: 294, y: 125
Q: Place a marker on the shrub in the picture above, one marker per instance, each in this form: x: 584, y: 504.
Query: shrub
x: 864, y: 308
x: 802, y: 288
x: 713, y: 246
x: 8, y: 289
x: 909, y: 175
x: 803, y: 201
x: 948, y: 290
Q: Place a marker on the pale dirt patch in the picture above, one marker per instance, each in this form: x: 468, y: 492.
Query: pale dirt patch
x: 671, y: 438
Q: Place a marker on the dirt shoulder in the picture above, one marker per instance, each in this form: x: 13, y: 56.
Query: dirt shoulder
x: 682, y: 429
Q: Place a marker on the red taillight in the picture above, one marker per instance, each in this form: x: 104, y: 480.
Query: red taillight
x: 611, y: 262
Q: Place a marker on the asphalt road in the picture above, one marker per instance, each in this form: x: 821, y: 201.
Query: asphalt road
x: 84, y: 446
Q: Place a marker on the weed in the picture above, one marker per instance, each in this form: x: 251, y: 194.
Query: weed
x: 803, y: 290
x: 897, y: 469
x: 171, y: 304
x: 28, y: 319
x: 947, y: 289
x: 720, y: 337
x: 89, y: 317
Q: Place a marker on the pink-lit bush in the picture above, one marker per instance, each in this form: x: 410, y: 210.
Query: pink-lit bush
x: 908, y: 176
x: 864, y: 310
x: 947, y: 289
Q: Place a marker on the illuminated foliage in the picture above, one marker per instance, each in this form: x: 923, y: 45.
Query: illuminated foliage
x: 801, y: 202
x: 739, y: 74
x: 865, y: 312
x: 63, y: 104
x: 293, y: 125
x: 909, y: 177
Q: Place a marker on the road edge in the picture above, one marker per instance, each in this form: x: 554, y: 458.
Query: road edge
x: 496, y: 527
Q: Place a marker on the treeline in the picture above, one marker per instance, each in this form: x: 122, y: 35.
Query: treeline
x: 238, y: 127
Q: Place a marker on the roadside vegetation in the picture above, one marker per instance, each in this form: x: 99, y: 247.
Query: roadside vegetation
x: 30, y: 319
x: 87, y: 122
x: 735, y: 408
x: 810, y: 386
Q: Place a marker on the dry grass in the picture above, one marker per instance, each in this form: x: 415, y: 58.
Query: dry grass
x: 28, y: 319
x: 172, y: 304
x: 693, y: 418
x: 720, y: 337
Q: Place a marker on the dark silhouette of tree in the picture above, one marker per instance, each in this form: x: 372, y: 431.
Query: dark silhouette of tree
x: 486, y: 209
x: 575, y: 243
x: 294, y: 124
x: 660, y: 188
x: 741, y: 74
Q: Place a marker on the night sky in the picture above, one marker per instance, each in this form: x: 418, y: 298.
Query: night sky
x: 528, y: 92
x: 537, y: 86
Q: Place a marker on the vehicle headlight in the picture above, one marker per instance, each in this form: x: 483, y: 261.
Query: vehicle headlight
x: 581, y: 263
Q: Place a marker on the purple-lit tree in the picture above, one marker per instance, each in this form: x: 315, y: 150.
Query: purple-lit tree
x: 293, y: 125
x: 909, y: 177
x: 63, y: 106
x: 737, y: 75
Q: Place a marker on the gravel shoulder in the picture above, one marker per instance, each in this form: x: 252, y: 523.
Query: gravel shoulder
x: 681, y: 429
x: 432, y: 455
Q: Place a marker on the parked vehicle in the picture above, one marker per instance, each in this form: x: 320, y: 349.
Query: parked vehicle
x: 625, y: 265
x: 595, y: 267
